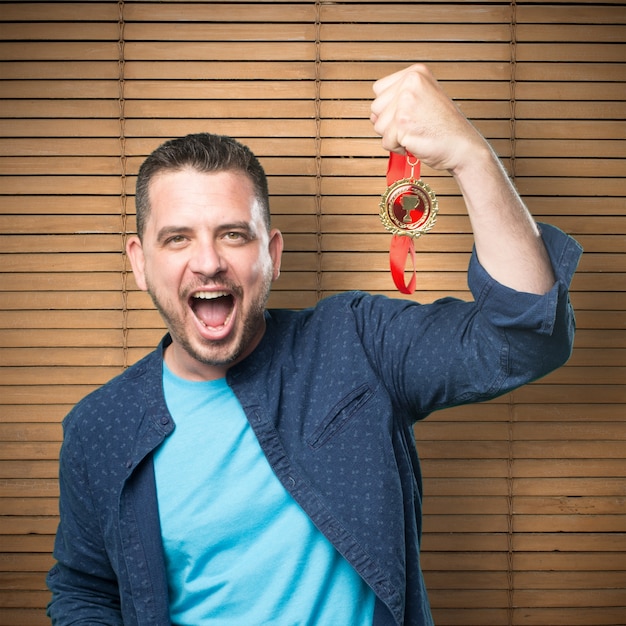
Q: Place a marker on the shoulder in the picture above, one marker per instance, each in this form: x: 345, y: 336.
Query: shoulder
x: 120, y: 397
x: 346, y: 321
x: 347, y: 306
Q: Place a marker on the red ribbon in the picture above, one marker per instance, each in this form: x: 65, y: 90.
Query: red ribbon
x: 402, y: 246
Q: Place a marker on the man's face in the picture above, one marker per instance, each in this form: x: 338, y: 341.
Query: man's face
x: 208, y: 261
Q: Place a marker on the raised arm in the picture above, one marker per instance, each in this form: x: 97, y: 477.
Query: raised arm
x: 412, y: 113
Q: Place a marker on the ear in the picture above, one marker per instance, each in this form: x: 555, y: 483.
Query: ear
x: 276, y: 251
x: 134, y: 251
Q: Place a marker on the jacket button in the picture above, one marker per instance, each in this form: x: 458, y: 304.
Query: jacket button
x: 165, y: 421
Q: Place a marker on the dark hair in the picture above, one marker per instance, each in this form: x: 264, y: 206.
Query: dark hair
x: 204, y: 152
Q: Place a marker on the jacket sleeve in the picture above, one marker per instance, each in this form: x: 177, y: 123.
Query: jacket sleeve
x: 453, y: 352
x: 83, y: 583
x: 538, y: 329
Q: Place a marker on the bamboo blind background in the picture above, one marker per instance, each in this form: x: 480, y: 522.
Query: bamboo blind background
x: 525, y: 505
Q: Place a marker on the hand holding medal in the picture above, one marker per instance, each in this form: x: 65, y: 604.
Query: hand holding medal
x: 410, y: 113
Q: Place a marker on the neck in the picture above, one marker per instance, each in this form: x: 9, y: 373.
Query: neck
x: 181, y: 363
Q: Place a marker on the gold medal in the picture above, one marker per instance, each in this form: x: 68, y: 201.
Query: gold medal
x: 408, y: 207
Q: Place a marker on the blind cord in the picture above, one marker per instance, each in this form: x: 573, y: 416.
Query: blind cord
x: 511, y: 403
x: 123, y: 181
x: 318, y: 152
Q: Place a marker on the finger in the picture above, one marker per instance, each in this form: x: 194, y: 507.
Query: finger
x: 385, y: 107
x: 387, y: 129
x: 382, y: 115
x: 398, y: 91
x: 389, y: 81
x: 381, y: 104
x: 386, y: 95
x: 384, y: 83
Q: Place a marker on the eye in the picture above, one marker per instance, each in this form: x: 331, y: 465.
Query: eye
x: 175, y: 240
x: 235, y: 236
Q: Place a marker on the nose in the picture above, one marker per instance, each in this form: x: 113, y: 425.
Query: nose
x: 206, y: 259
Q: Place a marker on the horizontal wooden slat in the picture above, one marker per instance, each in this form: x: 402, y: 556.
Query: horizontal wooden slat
x: 520, y: 450
x: 63, y: 337
x: 571, y: 52
x: 63, y: 71
x: 201, y: 51
x: 417, y: 31
x: 51, y: 12
x: 21, y: 356
x: 569, y: 91
x: 283, y: 11
x: 485, y: 69
x: 570, y: 14
x: 24, y: 470
x: 298, y: 30
x: 40, y: 51
x: 57, y: 375
x: 596, y: 33
x: 568, y: 412
x: 381, y: 13
x: 24, y: 617
x: 578, y: 71
x: 33, y: 31
x: 581, y: 522
x: 569, y: 580
x: 479, y: 431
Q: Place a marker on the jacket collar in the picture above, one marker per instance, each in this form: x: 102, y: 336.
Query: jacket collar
x: 155, y: 423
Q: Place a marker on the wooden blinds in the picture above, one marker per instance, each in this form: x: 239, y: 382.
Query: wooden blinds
x: 525, y: 521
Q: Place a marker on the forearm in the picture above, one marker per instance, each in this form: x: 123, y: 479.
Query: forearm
x: 507, y: 239
x: 83, y: 583
x: 75, y: 612
x: 84, y: 589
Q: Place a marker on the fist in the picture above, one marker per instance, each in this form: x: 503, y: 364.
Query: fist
x: 412, y: 113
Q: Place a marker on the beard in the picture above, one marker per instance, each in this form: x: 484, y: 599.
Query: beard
x: 223, y: 352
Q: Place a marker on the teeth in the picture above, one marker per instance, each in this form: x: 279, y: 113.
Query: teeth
x: 210, y: 295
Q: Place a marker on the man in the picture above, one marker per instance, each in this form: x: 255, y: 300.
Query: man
x: 259, y: 467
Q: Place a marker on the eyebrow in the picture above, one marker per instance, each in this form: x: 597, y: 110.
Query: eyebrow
x: 238, y: 226
x: 168, y: 231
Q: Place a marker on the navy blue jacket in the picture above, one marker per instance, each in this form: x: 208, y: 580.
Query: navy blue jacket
x: 331, y: 393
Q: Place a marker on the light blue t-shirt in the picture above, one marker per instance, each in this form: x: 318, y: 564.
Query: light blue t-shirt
x: 239, y: 550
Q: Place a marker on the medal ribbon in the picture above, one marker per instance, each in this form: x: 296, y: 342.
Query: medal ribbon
x: 402, y: 246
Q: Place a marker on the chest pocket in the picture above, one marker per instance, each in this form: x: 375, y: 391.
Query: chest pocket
x: 339, y: 416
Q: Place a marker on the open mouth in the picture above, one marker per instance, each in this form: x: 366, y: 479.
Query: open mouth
x: 212, y: 308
